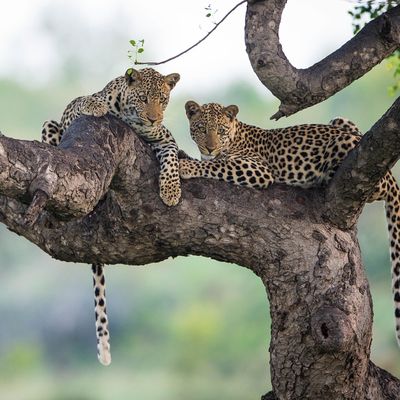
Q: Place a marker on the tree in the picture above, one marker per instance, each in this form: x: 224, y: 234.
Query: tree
x: 100, y: 198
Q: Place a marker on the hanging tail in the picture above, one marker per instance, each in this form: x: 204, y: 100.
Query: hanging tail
x: 392, y: 206
x: 102, y: 334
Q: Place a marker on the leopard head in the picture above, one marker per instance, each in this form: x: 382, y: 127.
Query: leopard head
x: 145, y: 97
x: 212, y: 127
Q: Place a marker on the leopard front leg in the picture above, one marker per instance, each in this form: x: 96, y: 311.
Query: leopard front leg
x: 166, y: 151
x: 241, y: 171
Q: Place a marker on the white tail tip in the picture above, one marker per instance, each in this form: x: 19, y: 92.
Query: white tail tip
x: 103, y: 353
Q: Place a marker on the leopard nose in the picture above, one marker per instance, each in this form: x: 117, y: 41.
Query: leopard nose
x: 210, y: 149
x: 152, y: 119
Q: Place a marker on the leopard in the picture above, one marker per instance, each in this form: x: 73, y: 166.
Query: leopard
x: 139, y: 98
x: 306, y: 156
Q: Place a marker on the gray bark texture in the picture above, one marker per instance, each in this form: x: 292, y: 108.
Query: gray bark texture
x: 95, y: 198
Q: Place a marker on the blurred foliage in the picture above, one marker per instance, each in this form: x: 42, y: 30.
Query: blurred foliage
x: 365, y: 12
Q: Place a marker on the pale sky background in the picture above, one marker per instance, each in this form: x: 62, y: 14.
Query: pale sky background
x: 31, y: 52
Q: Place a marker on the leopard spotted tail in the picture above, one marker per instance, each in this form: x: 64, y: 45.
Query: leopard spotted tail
x: 392, y: 206
x: 102, y: 333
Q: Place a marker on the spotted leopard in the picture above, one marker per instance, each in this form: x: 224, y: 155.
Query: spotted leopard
x: 139, y: 98
x: 303, y: 155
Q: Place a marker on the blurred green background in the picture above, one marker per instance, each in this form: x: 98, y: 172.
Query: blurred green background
x: 187, y: 328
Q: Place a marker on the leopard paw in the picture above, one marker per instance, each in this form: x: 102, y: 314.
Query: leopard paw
x: 170, y: 190
x: 94, y: 107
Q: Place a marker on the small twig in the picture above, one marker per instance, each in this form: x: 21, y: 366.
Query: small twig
x: 197, y: 43
x: 278, y: 115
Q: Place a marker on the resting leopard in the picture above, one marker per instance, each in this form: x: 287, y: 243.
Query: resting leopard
x: 139, y: 98
x: 303, y: 155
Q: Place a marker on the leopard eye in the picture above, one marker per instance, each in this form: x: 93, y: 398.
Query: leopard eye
x: 221, y: 130
x: 163, y: 98
x: 143, y: 97
x: 201, y: 127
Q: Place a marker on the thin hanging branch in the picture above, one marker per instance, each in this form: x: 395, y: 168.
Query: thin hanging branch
x: 197, y: 43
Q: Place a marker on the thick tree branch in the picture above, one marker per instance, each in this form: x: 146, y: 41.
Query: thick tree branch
x: 132, y: 213
x: 357, y: 177
x: 319, y: 298
x: 301, y: 88
x: 73, y: 176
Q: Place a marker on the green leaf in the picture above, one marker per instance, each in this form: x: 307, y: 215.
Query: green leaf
x: 133, y: 42
x: 208, y: 15
x: 391, y: 90
x: 140, y: 50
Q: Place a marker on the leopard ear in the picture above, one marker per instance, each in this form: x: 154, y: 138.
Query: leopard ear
x: 191, y: 108
x: 231, y: 111
x: 172, y: 80
x: 132, y: 76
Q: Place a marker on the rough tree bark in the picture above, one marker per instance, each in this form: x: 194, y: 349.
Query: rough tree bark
x: 99, y: 188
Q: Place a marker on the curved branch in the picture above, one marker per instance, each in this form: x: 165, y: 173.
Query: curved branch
x: 298, y: 89
x: 359, y: 174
